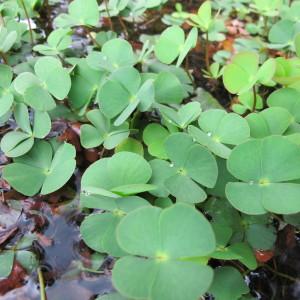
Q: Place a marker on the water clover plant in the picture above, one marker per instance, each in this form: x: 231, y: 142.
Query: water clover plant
x: 19, y: 142
x: 43, y: 169
x: 57, y: 41
x: 185, y: 153
x: 154, y: 137
x: 267, y: 177
x: 50, y: 79
x: 115, y: 54
x: 189, y: 165
x: 172, y: 44
x: 123, y: 93
x: 217, y: 128
x: 103, y: 225
x: 244, y: 72
x: 185, y: 115
x: 165, y: 244
x: 271, y: 121
x: 124, y: 174
x: 80, y: 12
x: 101, y: 131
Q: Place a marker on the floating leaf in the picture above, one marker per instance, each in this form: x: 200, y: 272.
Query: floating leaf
x: 104, y: 225
x: 170, y: 242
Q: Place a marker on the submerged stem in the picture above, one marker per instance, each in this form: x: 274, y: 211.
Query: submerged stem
x: 42, y: 284
x: 28, y: 21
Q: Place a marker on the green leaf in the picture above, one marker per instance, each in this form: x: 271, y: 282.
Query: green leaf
x: 124, y: 171
x: 85, y: 82
x: 101, y: 131
x: 158, y: 239
x: 81, y: 12
x: 37, y: 170
x: 265, y: 176
x: 16, y: 143
x: 287, y: 98
x: 203, y: 19
x: 55, y: 78
x: 240, y: 75
x: 130, y: 145
x: 271, y: 121
x: 6, y: 263
x: 116, y: 53
x: 168, y: 46
x: 228, y: 284
x: 282, y: 32
x: 168, y: 89
x: 185, y: 115
x: 217, y: 128
x: 154, y: 137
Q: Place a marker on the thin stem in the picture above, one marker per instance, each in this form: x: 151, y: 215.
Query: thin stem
x: 186, y: 67
x: 91, y: 37
x: 28, y: 21
x: 111, y: 25
x: 123, y: 25
x: 42, y: 284
x: 254, y: 98
x: 4, y: 58
x: 283, y: 275
x: 207, y: 51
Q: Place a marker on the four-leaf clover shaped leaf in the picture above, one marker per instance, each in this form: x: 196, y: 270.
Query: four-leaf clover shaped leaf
x: 170, y: 241
x: 50, y: 79
x: 190, y: 165
x: 19, y: 142
x: 123, y: 174
x: 101, y: 131
x: 80, y: 13
x: 115, y: 54
x: 42, y: 169
x: 244, y: 72
x: 181, y: 118
x: 57, y: 41
x: 172, y: 44
x: 103, y: 225
x: 123, y: 92
x: 217, y: 127
x: 267, y: 168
